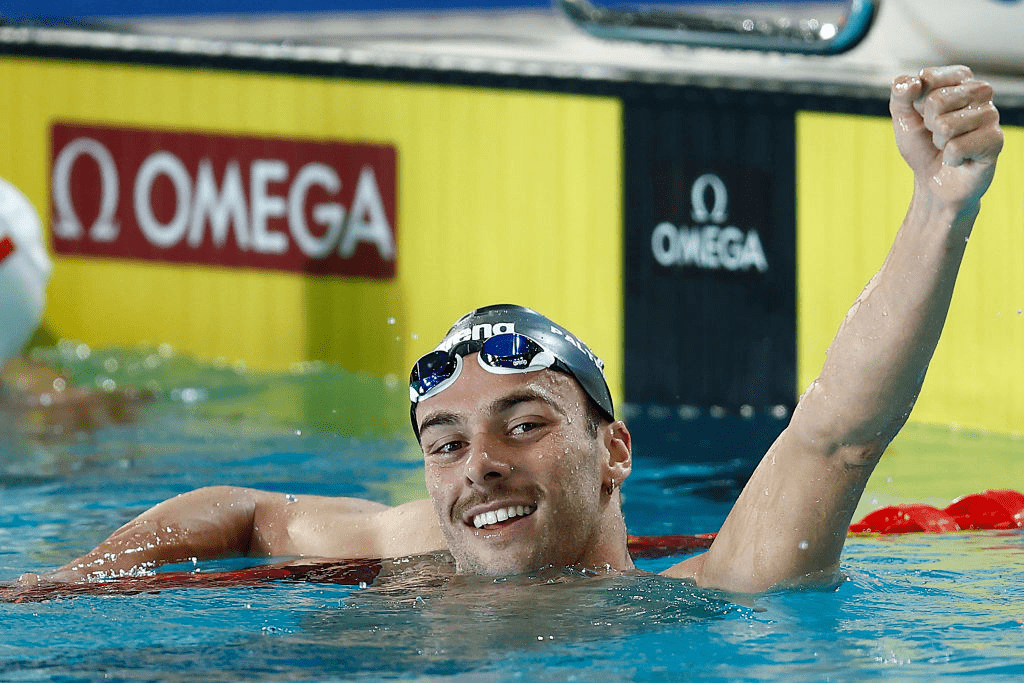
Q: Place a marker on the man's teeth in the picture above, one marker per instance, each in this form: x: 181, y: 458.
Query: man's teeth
x: 502, y: 514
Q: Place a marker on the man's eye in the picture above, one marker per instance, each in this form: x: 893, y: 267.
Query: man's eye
x: 524, y: 427
x: 448, y: 447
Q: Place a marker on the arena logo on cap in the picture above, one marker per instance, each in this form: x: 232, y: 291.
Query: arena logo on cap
x: 327, y: 208
x: 476, y: 333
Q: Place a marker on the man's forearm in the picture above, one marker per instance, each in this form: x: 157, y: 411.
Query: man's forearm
x: 947, y: 129
x: 877, y: 362
x: 205, y: 524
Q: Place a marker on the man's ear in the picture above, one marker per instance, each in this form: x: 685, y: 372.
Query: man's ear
x: 619, y: 444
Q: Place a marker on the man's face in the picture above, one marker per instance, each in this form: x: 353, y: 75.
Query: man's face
x: 516, y: 480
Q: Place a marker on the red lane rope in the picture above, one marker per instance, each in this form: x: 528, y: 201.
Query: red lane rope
x: 1003, y: 509
x: 662, y: 546
x: 342, y: 572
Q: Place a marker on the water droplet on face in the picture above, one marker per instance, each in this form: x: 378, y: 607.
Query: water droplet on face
x: 803, y: 545
x: 290, y: 498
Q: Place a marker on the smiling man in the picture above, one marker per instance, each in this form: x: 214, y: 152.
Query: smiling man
x: 523, y: 455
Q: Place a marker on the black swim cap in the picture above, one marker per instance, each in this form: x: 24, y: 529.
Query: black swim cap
x: 467, y: 335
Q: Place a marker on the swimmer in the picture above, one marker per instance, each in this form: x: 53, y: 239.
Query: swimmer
x: 35, y: 397
x: 523, y: 455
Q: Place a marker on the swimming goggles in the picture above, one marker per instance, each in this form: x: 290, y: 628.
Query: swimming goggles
x: 501, y: 354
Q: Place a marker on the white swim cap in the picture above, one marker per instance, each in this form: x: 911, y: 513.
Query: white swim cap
x: 24, y: 271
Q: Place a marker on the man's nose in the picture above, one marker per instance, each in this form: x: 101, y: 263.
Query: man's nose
x: 486, y: 463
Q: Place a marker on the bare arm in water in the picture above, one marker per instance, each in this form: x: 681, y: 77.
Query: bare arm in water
x: 791, y: 520
x: 226, y: 521
x: 39, y: 399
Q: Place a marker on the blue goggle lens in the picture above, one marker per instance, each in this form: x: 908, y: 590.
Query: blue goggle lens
x: 511, y: 351
x: 431, y: 370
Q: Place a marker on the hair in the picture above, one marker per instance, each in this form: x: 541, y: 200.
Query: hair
x: 594, y: 417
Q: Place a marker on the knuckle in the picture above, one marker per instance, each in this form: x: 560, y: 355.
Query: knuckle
x: 963, y: 70
x: 954, y: 148
x: 955, y: 73
x: 942, y: 127
x: 989, y: 114
x: 982, y: 90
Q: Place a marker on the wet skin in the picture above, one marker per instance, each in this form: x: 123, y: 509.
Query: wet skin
x: 493, y: 442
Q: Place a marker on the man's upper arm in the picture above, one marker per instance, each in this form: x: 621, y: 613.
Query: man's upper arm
x: 342, y: 527
x: 790, y: 521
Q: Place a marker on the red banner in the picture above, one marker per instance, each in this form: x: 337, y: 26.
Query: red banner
x: 327, y: 208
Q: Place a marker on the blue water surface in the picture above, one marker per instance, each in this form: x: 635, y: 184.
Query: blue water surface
x: 913, y: 607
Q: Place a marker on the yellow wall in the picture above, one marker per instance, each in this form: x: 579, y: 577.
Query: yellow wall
x: 852, y: 192
x: 503, y: 196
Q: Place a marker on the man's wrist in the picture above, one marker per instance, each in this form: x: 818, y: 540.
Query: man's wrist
x: 956, y: 215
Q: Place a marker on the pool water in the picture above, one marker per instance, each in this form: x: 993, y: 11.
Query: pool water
x: 913, y: 607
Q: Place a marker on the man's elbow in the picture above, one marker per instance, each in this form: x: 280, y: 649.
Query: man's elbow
x: 855, y: 436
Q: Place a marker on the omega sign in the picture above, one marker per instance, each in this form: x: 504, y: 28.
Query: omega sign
x: 240, y: 201
x: 708, y: 244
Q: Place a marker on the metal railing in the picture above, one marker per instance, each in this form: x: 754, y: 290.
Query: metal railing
x: 731, y: 31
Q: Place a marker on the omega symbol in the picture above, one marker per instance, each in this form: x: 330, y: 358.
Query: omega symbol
x: 67, y: 225
x: 698, y: 199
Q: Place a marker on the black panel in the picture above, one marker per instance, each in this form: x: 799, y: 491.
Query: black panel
x: 710, y: 305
